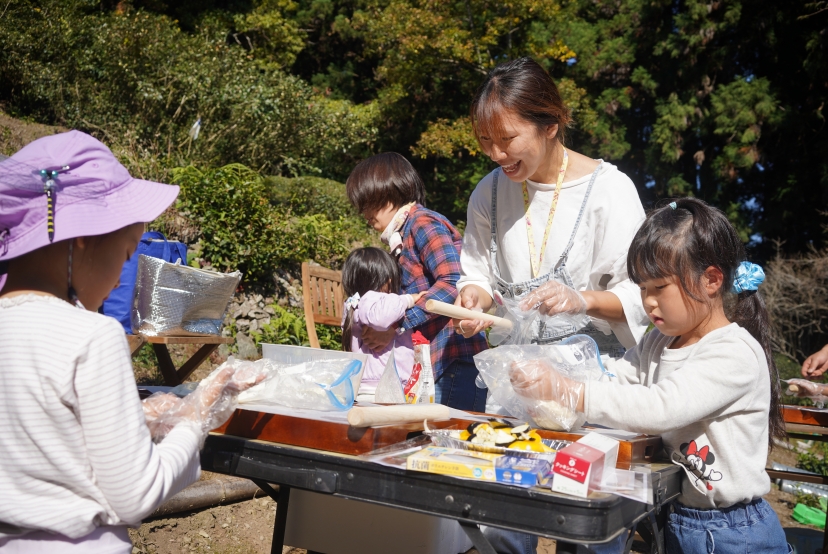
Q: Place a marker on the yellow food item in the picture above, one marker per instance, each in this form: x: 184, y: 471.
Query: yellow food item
x: 464, y: 435
x: 530, y: 445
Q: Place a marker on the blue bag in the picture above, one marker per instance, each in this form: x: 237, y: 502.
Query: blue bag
x: 153, y: 244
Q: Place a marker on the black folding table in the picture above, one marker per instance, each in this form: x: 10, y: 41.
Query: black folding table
x: 568, y: 519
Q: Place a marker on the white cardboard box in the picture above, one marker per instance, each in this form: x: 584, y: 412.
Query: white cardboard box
x: 581, y: 466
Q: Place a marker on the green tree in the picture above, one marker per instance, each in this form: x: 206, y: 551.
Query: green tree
x: 140, y: 82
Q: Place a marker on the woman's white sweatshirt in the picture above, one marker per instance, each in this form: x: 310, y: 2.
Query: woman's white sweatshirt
x: 598, y: 259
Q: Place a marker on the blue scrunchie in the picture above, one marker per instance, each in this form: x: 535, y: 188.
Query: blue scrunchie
x: 748, y: 277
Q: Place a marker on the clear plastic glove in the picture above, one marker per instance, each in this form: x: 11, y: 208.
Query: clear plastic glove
x: 157, y: 404
x: 552, y: 400
x: 555, y: 298
x: 209, y: 405
x: 803, y: 388
x: 539, y: 380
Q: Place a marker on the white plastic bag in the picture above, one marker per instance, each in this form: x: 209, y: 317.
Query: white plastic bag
x: 576, y: 357
x: 319, y: 385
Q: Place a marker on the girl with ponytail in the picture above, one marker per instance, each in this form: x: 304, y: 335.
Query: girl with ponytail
x: 703, y: 378
x: 371, y: 279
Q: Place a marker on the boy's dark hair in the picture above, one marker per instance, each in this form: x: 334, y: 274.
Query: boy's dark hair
x: 521, y: 86
x: 686, y: 240
x: 367, y: 269
x: 384, y: 178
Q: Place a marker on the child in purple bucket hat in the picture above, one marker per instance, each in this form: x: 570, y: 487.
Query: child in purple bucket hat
x: 79, y: 464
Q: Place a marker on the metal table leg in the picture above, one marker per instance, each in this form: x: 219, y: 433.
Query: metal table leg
x: 282, y: 498
x: 480, y: 542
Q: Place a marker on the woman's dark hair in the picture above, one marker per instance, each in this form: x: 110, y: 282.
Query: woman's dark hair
x: 384, y: 178
x: 685, y: 241
x: 367, y: 269
x: 521, y: 86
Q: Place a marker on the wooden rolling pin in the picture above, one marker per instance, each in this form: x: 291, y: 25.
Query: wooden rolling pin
x: 395, y: 415
x: 456, y: 312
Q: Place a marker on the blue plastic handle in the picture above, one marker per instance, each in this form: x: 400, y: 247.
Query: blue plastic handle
x: 353, y: 368
x: 597, y: 351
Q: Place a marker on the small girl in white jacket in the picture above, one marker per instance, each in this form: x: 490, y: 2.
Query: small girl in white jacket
x: 368, y: 277
x: 704, y: 379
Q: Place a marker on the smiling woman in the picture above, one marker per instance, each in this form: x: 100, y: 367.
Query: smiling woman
x: 549, y: 226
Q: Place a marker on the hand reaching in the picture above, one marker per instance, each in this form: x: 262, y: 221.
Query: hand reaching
x: 207, y: 407
x: 806, y: 389
x: 816, y: 364
x: 539, y: 380
x: 554, y: 298
x: 476, y: 299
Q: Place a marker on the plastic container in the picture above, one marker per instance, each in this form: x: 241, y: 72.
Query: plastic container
x: 809, y: 516
x: 294, y: 355
x: 324, y: 523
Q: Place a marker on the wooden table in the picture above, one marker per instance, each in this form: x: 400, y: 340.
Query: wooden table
x: 173, y: 376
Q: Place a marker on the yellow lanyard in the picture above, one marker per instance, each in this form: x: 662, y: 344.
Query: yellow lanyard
x: 534, y: 258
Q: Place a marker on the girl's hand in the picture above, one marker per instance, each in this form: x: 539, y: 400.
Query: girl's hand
x: 554, y: 298
x: 414, y: 298
x: 539, y: 380
x: 816, y: 364
x: 474, y: 298
x: 157, y: 404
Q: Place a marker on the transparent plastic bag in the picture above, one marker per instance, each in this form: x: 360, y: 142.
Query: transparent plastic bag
x: 576, y: 358
x: 525, y: 324
x: 209, y: 405
x: 319, y: 385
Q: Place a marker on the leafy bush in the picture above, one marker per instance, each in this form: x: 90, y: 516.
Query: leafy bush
x: 227, y: 210
x: 139, y: 82
x: 287, y: 326
x: 815, y: 460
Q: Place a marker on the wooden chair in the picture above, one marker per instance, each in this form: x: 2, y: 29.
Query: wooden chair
x: 323, y: 296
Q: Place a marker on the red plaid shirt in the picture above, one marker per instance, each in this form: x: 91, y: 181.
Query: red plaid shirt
x: 430, y: 260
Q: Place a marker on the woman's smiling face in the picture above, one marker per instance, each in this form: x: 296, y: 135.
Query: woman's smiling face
x: 521, y: 149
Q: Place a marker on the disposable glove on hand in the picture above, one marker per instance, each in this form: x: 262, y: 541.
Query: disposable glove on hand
x: 539, y: 380
x: 555, y: 298
x: 806, y: 389
x: 157, y: 404
x: 207, y: 407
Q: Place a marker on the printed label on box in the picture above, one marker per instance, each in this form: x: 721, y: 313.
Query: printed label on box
x: 571, y: 467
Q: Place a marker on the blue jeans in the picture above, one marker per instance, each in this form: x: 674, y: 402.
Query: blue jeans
x: 456, y: 389
x: 751, y: 527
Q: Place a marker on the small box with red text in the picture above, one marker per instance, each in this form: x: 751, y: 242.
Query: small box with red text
x: 580, y: 466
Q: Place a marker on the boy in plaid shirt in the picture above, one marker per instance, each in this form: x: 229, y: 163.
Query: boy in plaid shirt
x: 389, y: 193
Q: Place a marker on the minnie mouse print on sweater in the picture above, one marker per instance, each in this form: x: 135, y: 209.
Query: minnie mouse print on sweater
x: 696, y: 462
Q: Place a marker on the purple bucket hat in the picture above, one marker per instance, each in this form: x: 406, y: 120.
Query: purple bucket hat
x: 93, y: 194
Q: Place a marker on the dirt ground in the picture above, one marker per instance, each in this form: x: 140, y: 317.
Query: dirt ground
x: 241, y: 528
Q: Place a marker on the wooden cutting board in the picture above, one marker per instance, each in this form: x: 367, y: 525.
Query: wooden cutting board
x: 344, y: 439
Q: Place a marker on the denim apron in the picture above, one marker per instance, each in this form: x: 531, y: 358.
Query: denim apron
x: 542, y: 333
